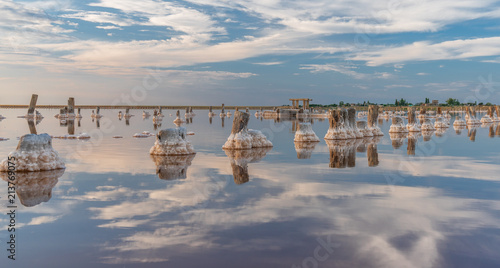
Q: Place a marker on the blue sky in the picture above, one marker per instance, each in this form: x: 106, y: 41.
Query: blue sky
x: 207, y: 52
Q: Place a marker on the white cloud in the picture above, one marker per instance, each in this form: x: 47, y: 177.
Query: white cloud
x: 425, y: 51
x: 346, y: 70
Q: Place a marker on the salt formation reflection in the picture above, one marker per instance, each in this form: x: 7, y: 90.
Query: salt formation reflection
x: 172, y: 167
x: 33, y: 188
x: 343, y: 152
x: 241, y: 158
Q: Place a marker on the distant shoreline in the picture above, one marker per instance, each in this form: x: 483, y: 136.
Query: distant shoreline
x: 138, y: 107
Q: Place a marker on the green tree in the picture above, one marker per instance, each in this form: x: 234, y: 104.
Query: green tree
x: 341, y: 103
x: 427, y: 100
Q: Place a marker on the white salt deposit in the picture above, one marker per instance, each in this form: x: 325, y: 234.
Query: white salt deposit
x: 117, y: 137
x: 486, y: 119
x: 3, y: 139
x: 247, y: 139
x: 398, y: 125
x: 427, y: 125
x: 34, y: 153
x: 172, y: 141
x: 441, y: 123
x: 362, y: 126
x: 459, y: 122
x: 305, y: 133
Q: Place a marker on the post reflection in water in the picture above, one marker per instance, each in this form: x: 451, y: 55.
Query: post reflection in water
x: 458, y: 129
x: 305, y: 149
x: 427, y: 134
x: 343, y: 152
x: 222, y: 119
x: 497, y: 131
x: 241, y: 158
x: 172, y: 167
x: 33, y: 188
x: 398, y: 139
x: 412, y: 142
x: 471, y: 133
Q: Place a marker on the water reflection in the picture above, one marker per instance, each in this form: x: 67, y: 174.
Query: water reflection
x: 343, y: 152
x: 33, y: 188
x: 398, y: 139
x: 172, y: 167
x: 305, y: 149
x: 241, y: 158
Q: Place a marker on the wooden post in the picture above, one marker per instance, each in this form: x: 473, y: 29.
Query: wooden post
x: 71, y: 127
x: 31, y: 125
x: 71, y: 106
x: 98, y: 109
x: 411, y: 115
x: 31, y: 109
x: 372, y: 115
x: 240, y: 122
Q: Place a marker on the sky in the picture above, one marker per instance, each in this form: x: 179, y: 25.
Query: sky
x: 208, y: 52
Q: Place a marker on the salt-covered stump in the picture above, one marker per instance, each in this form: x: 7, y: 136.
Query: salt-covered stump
x: 459, y: 122
x: 172, y: 141
x: 427, y: 125
x: 241, y: 158
x: 243, y: 138
x: 398, y: 125
x: 304, y: 149
x: 172, y: 167
x: 440, y: 123
x: 34, y: 153
x: 305, y: 133
x: 413, y: 125
x: 336, y: 131
x: 363, y: 128
x: 372, y: 120
x: 33, y: 188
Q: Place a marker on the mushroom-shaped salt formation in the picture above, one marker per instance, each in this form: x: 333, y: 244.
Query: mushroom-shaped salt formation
x: 178, y: 121
x: 398, y: 125
x: 496, y: 118
x: 487, y: 118
x: 210, y: 113
x: 459, y: 122
x: 342, y: 153
x: 172, y: 141
x: 372, y: 120
x: 228, y: 114
x: 172, y: 167
x: 413, y: 125
x: 305, y: 149
x: 440, y: 123
x: 33, y: 153
x: 33, y: 188
x: 427, y: 125
x: 243, y: 138
x: 305, y: 133
x: 470, y: 117
x: 363, y: 128
x: 241, y: 158
x: 336, y: 131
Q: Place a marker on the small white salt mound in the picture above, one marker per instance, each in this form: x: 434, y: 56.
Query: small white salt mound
x: 211, y: 114
x: 486, y: 119
x: 363, y: 128
x: 189, y: 133
x: 179, y: 121
x: 305, y: 133
x: 3, y: 139
x: 120, y: 115
x: 141, y: 135
x: 117, y: 137
x: 81, y: 136
x: 34, y: 153
x: 398, y: 125
x: 440, y: 123
x: 172, y: 141
x: 415, y: 127
x: 257, y: 114
x: 2, y: 117
x: 222, y: 115
x: 228, y: 114
x: 247, y: 139
x: 145, y: 114
x: 78, y: 116
x: 427, y: 125
x: 459, y: 122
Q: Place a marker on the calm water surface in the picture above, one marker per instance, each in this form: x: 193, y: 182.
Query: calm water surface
x: 359, y: 204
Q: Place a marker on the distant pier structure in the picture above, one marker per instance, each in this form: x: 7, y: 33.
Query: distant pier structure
x: 305, y: 103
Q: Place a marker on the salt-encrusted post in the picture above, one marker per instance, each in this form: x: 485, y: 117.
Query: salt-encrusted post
x: 31, y: 125
x: 31, y: 109
x: 71, y: 107
x: 243, y: 138
x: 372, y: 120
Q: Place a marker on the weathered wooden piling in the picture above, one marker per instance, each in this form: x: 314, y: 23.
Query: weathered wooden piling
x: 71, y: 106
x: 31, y: 109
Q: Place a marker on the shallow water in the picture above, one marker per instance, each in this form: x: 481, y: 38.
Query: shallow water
x: 362, y: 204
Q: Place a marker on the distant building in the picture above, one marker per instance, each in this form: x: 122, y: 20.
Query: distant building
x: 435, y: 102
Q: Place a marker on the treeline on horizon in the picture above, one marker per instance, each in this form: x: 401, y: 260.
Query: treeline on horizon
x: 402, y: 102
